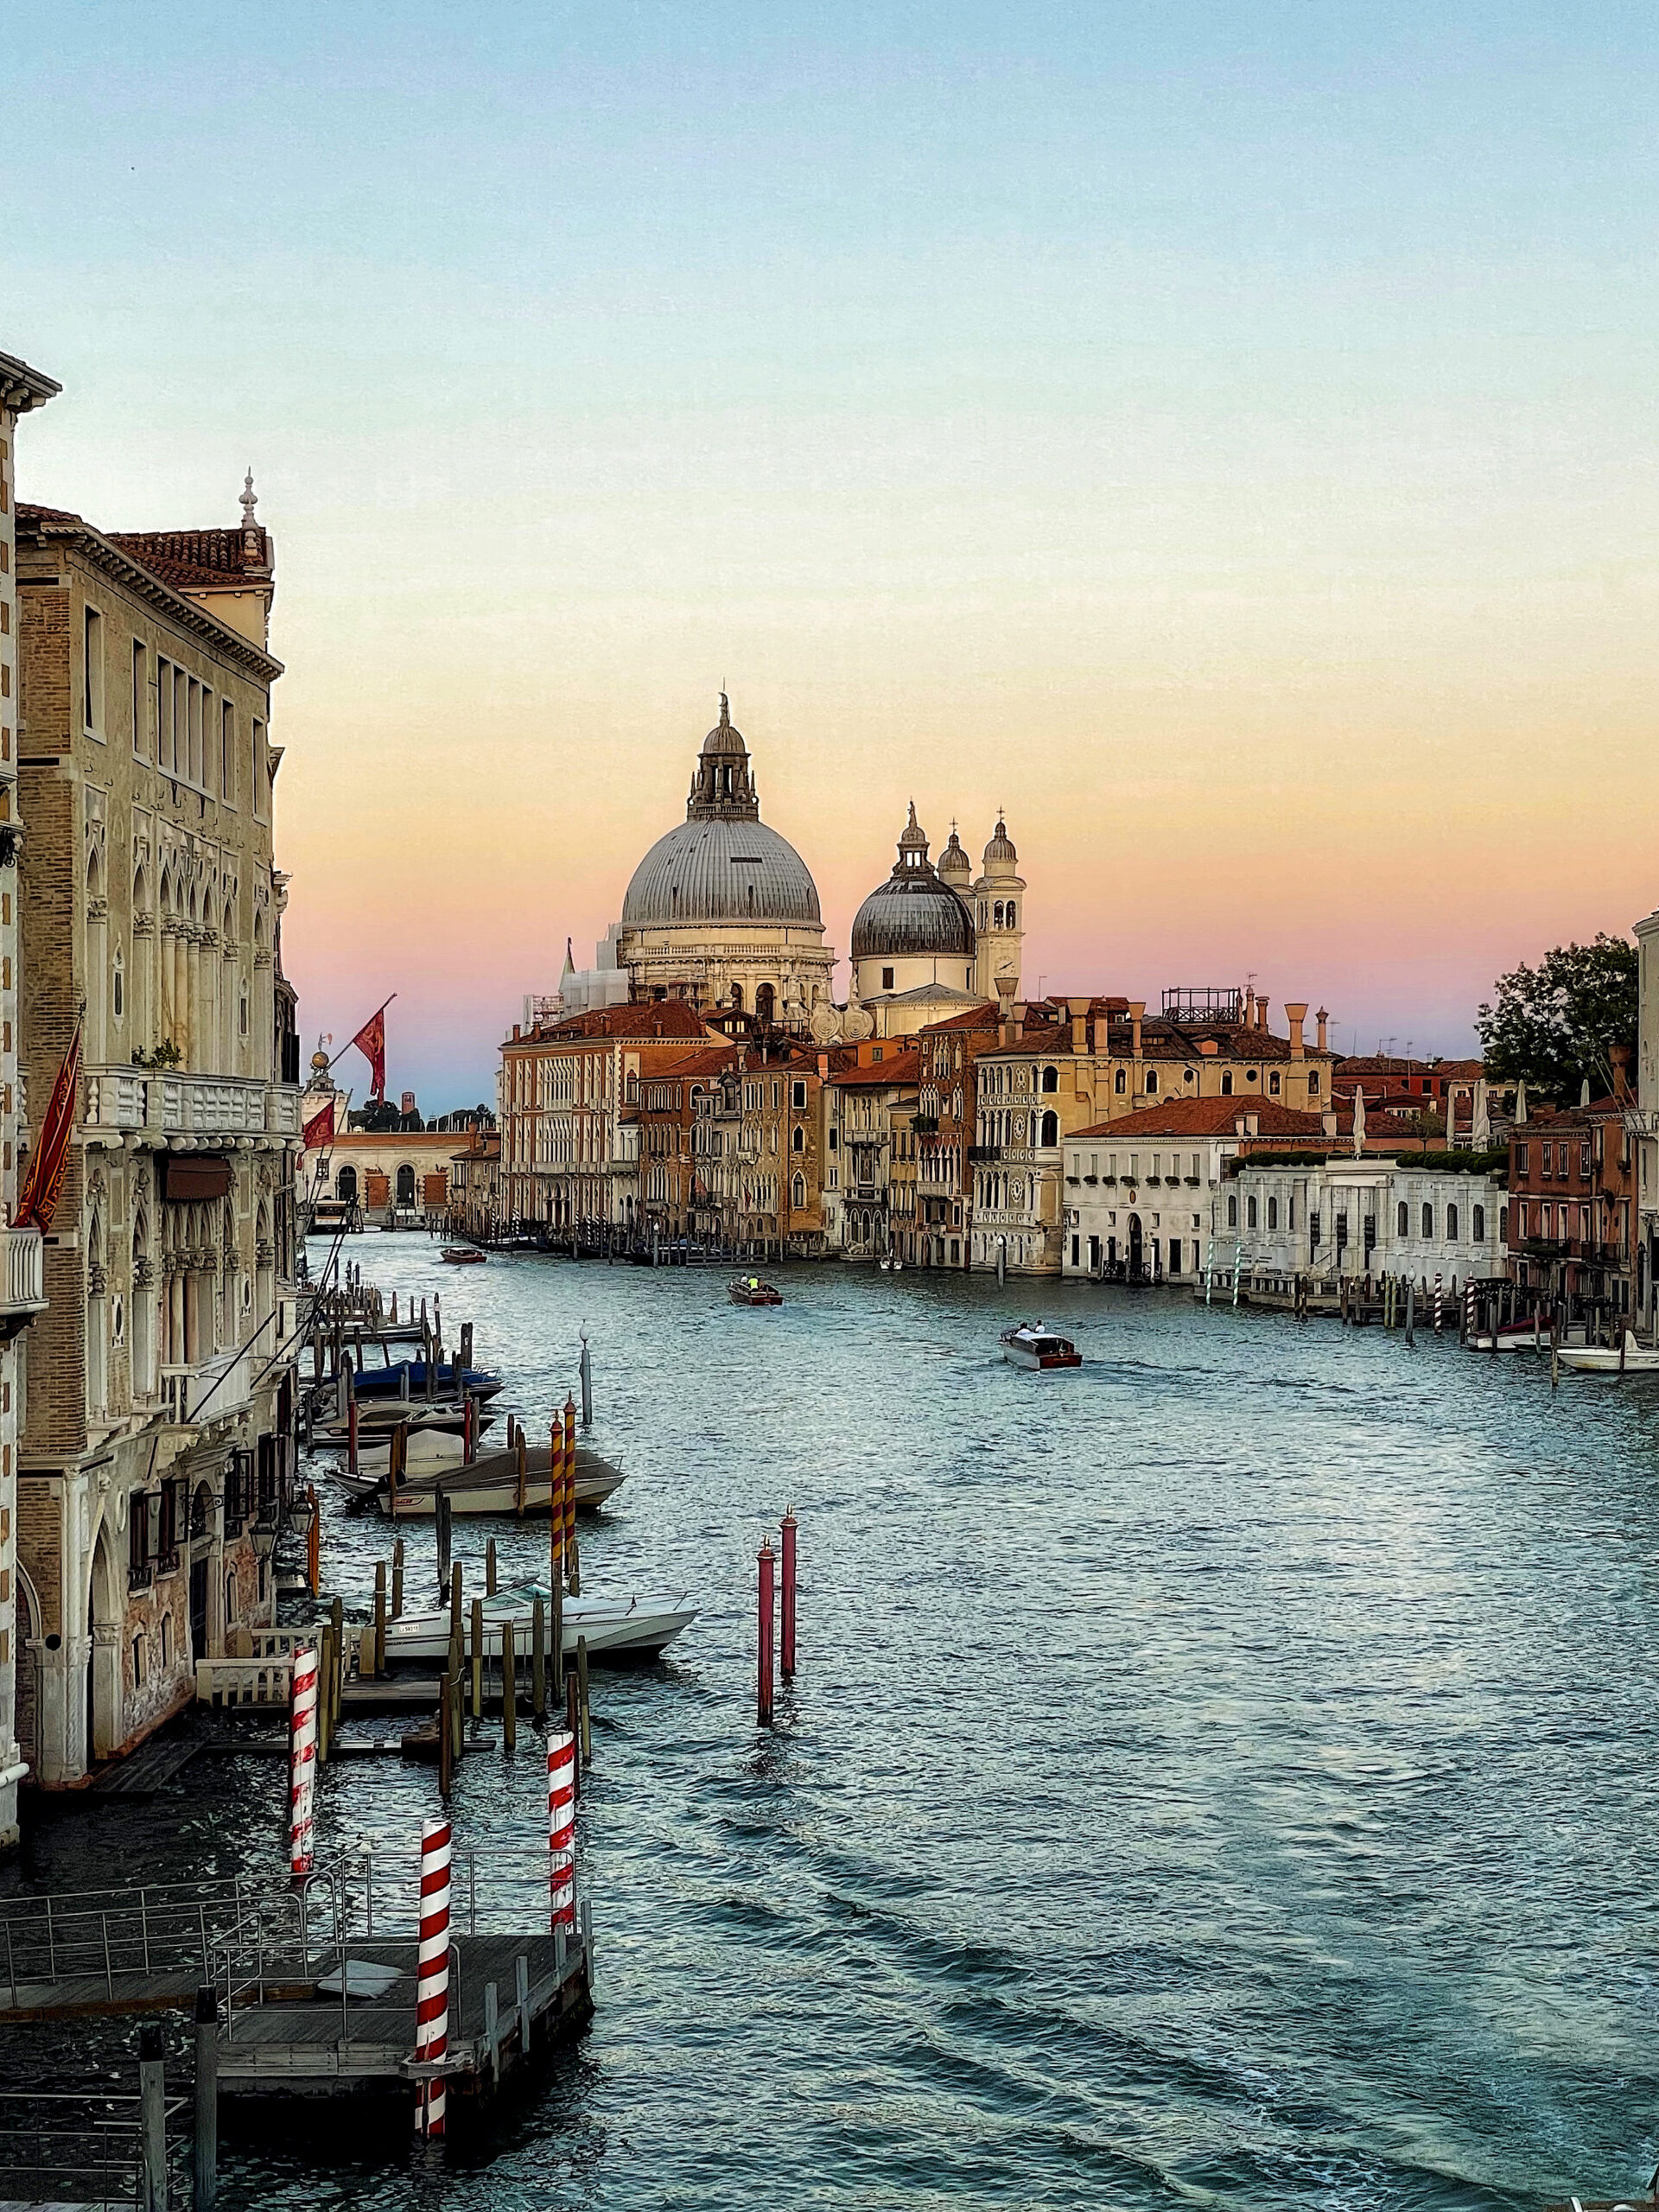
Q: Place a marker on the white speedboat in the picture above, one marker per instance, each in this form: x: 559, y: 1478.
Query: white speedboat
x: 616, y: 1628
x: 1031, y: 1345
x: 1629, y: 1358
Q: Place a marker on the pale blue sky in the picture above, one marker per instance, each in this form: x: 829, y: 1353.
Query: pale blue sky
x: 1224, y: 434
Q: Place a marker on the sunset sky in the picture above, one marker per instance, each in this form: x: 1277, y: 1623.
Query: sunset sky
x: 1223, y: 435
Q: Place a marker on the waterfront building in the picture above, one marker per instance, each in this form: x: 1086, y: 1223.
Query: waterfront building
x: 930, y: 942
x: 21, y: 1292
x: 944, y: 1126
x: 383, y: 1177
x: 1376, y: 1215
x: 475, y: 1185
x: 1643, y: 1115
x: 758, y: 1149
x: 722, y: 913
x: 158, y: 1414
x: 570, y: 1112
x: 1140, y: 1191
x: 1575, y: 1214
x: 675, y: 1201
x: 1032, y: 1089
x: 860, y: 1104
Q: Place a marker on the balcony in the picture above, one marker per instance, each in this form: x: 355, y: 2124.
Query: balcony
x: 23, y: 1281
x: 161, y: 1102
x: 209, y: 1391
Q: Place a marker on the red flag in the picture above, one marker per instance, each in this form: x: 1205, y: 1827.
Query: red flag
x: 38, y: 1200
x: 370, y: 1041
x: 319, y: 1129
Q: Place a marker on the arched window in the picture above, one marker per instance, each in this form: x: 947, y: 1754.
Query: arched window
x: 1249, y: 1213
x: 737, y: 998
x: 797, y: 1141
x: 1403, y: 1224
x: 1428, y: 1221
x: 798, y: 1193
x: 1120, y: 1081
x: 997, y: 915
x: 1312, y: 1083
x: 119, y: 986
x: 764, y: 999
x: 1226, y: 1082
x: 1273, y: 1213
x: 1051, y: 1078
x: 1477, y: 1228
x: 1050, y: 1130
x: 1010, y: 914
x: 405, y: 1185
x: 1451, y: 1224
x: 1232, y: 1209
x: 345, y: 1185
x: 1152, y: 1082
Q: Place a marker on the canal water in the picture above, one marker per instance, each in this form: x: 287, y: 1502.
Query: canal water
x: 1221, y: 1775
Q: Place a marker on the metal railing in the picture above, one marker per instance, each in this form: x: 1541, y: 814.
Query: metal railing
x: 81, y: 2147
x: 168, y: 1927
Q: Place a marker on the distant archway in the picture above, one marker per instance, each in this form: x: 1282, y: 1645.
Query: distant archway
x: 345, y: 1185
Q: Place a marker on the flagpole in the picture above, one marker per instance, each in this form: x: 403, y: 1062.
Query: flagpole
x: 350, y: 1042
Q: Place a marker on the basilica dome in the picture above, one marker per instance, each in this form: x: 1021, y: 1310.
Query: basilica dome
x: 912, y: 915
x: 722, y: 863
x: 716, y: 870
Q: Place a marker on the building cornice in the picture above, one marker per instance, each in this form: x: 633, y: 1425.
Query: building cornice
x: 22, y: 388
x: 45, y: 527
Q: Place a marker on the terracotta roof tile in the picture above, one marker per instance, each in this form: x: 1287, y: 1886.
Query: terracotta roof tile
x: 1203, y: 1117
x: 880, y: 1074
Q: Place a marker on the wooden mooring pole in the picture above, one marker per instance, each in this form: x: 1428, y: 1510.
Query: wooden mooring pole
x: 396, y: 1578
x: 763, y: 1702
x: 152, y: 2119
x: 509, y: 1686
x: 538, y: 1660
x: 204, y: 2191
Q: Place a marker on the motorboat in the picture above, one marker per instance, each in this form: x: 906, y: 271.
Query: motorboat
x: 388, y: 1382
x: 485, y: 1484
x: 1628, y: 1358
x: 378, y: 1417
x: 615, y: 1628
x: 749, y: 1290
x: 1030, y: 1345
x: 463, y: 1256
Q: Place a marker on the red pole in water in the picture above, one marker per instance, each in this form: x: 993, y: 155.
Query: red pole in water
x: 786, y: 1599
x: 765, y: 1702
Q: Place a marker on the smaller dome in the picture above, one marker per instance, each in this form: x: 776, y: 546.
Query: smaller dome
x: 1001, y: 845
x: 953, y: 863
x: 912, y: 914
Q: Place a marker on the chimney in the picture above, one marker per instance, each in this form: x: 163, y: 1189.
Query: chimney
x: 1079, y: 1010
x: 1321, y: 1017
x: 1137, y: 1009
x: 1262, y: 1006
x: 1249, y: 1006
x: 515, y: 1033
x: 824, y: 1065
x: 1252, y: 1125
x: 1296, y: 1015
x: 1102, y: 1029
x: 1239, y: 1127
x: 1328, y: 1121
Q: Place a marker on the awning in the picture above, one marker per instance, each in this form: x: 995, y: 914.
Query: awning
x: 189, y: 1176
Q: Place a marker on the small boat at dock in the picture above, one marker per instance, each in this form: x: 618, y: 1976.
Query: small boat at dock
x: 749, y: 1290
x: 1030, y: 1345
x: 379, y: 1416
x: 388, y: 1382
x: 1628, y: 1358
x: 615, y: 1628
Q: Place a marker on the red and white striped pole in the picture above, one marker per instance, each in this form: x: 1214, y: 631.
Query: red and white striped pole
x: 302, y: 1760
x: 432, y: 1987
x: 562, y: 1827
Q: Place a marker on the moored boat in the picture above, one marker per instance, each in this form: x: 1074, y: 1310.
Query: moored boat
x: 1626, y: 1358
x: 749, y: 1290
x: 388, y: 1382
x: 1030, y: 1345
x: 615, y: 1628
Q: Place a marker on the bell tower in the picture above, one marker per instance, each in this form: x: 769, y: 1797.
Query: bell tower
x: 999, y: 910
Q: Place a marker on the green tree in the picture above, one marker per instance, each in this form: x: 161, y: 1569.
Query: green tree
x: 1554, y: 1024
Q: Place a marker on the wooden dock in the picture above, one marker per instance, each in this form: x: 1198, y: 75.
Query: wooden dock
x: 510, y: 1997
